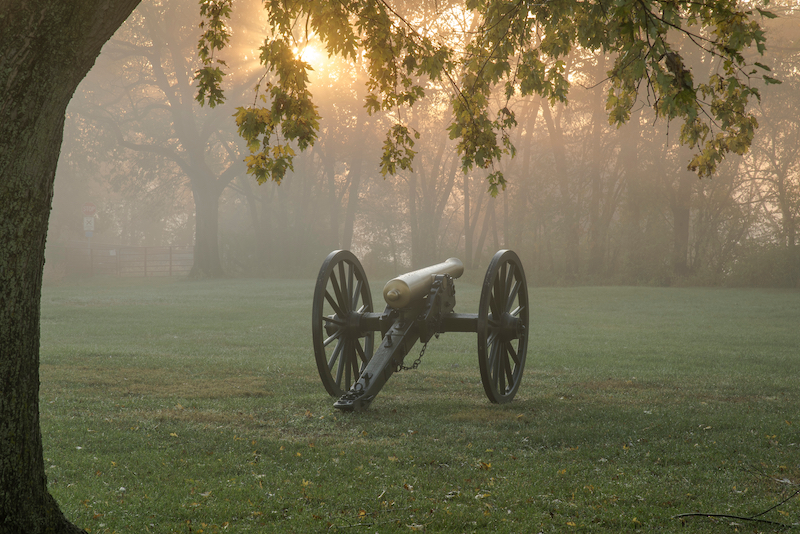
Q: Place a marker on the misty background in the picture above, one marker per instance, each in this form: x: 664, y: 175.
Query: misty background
x: 586, y: 203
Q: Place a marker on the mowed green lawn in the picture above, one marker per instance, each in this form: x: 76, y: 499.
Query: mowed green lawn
x: 181, y: 406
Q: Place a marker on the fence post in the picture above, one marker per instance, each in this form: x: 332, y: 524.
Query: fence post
x: 145, y: 262
x: 170, y: 260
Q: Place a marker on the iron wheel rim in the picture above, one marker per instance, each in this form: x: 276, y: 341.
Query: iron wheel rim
x: 341, y: 349
x: 503, y: 318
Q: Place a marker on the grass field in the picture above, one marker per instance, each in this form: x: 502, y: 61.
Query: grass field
x: 178, y: 406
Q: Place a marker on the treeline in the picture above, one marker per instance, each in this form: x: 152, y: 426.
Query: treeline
x: 586, y: 203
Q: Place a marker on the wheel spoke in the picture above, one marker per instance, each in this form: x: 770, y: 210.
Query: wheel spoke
x: 495, y: 362
x: 496, y: 298
x: 513, y: 353
x: 339, y: 291
x: 335, y: 355
x: 507, y: 366
x: 500, y: 378
x: 335, y: 320
x: 328, y: 341
x: 348, y: 365
x: 356, y: 295
x: 334, y: 304
x: 360, y: 351
x: 354, y: 361
x: 490, y: 339
x: 501, y: 278
x: 512, y: 297
x: 350, y: 286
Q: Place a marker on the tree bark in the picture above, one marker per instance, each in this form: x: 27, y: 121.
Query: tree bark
x: 207, y: 263
x: 353, y: 192
x: 680, y: 206
x: 46, y: 48
x: 569, y: 209
x: 467, y: 227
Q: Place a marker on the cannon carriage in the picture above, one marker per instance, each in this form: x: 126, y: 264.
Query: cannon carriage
x: 354, y: 365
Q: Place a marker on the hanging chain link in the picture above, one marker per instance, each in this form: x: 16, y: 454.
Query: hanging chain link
x: 418, y: 361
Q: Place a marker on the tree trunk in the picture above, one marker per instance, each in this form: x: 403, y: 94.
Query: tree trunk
x: 487, y: 220
x: 680, y: 205
x: 467, y: 227
x: 569, y: 208
x: 334, y: 204
x: 46, y: 48
x: 353, y: 193
x: 413, y: 221
x: 206, y: 241
x: 597, y: 231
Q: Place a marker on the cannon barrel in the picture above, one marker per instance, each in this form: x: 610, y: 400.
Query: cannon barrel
x: 401, y: 291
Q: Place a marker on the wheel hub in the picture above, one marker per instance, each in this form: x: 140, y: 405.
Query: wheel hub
x: 510, y: 328
x: 348, y: 325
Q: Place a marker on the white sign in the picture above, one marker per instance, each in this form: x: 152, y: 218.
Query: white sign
x: 88, y: 224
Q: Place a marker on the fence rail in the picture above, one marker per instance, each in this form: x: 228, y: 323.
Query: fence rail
x: 128, y: 261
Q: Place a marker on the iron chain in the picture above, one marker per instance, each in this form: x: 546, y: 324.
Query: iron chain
x: 418, y: 361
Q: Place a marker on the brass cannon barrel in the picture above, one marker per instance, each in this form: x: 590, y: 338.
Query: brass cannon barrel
x: 401, y: 291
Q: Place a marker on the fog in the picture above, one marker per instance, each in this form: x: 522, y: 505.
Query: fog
x: 586, y: 203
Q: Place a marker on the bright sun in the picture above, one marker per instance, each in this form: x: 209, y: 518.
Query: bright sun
x: 310, y: 53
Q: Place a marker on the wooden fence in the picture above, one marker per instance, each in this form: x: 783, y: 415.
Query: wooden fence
x: 127, y: 261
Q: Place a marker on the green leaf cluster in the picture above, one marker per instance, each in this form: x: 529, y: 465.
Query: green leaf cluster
x: 216, y: 36
x: 521, y: 46
x: 398, y: 149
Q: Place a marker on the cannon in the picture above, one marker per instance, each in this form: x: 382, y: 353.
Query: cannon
x: 419, y: 305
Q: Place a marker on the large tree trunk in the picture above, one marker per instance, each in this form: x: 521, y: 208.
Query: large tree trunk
x: 207, y: 263
x: 46, y: 48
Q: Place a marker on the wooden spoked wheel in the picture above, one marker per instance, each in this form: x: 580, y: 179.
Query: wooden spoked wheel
x: 341, y: 348
x: 503, y: 327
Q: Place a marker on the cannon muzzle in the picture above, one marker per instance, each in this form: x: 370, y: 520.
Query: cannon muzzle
x: 401, y: 291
